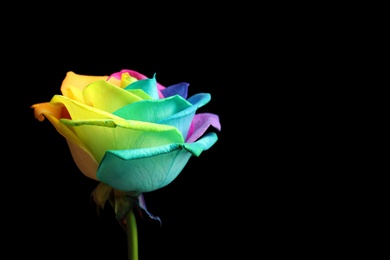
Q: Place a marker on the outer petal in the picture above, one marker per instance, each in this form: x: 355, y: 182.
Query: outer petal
x: 145, y: 170
x: 102, y: 135
x: 80, y: 111
x: 200, y: 124
x: 53, y: 112
x: 84, y: 161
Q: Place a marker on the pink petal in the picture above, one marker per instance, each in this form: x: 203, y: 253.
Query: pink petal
x: 138, y: 76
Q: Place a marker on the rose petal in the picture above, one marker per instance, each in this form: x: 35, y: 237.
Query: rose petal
x: 77, y: 81
x: 80, y: 111
x: 108, y: 97
x: 142, y: 205
x: 200, y: 124
x: 53, y: 113
x: 174, y: 111
x: 153, y: 110
x: 149, y: 86
x: 180, y: 89
x: 144, y: 170
x: 102, y: 135
x: 137, y: 75
x: 84, y: 161
x: 122, y: 81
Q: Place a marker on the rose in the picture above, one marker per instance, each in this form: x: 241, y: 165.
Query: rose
x: 131, y: 134
x: 129, y: 131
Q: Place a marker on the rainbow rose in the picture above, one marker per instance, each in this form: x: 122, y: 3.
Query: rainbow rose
x: 128, y: 131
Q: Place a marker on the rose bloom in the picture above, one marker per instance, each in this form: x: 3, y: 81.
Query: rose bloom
x: 129, y: 131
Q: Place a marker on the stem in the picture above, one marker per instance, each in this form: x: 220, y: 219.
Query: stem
x: 132, y: 235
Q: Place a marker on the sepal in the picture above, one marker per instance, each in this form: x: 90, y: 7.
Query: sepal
x: 120, y: 201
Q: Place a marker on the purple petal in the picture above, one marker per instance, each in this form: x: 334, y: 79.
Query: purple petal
x: 142, y: 206
x: 180, y: 89
x: 200, y: 124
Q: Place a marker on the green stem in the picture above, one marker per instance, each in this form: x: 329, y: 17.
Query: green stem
x: 132, y: 235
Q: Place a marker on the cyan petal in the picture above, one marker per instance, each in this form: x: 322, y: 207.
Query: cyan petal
x: 145, y: 170
x: 180, y: 89
x: 183, y: 119
x: 153, y: 110
x: 173, y: 111
x: 202, y: 144
x: 144, y: 174
x: 149, y: 86
x: 199, y: 99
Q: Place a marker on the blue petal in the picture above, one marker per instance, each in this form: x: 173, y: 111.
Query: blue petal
x: 199, y: 99
x: 180, y: 89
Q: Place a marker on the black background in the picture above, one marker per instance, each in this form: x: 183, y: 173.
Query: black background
x: 270, y: 186
x: 191, y: 208
x: 244, y: 197
x: 48, y: 209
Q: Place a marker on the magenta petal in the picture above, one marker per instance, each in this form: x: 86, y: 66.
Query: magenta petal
x: 200, y: 124
x: 134, y: 74
x: 138, y: 76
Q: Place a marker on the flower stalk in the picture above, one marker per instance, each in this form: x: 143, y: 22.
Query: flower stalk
x: 132, y: 235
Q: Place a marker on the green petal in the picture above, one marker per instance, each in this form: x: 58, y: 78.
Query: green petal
x: 153, y: 110
x: 202, y: 144
x: 144, y: 170
x: 107, y: 134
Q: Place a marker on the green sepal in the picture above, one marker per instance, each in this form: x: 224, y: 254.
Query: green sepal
x: 122, y: 202
x: 101, y: 194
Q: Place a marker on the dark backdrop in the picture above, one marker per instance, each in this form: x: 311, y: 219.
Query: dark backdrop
x: 230, y: 202
x: 246, y: 197
x: 49, y: 212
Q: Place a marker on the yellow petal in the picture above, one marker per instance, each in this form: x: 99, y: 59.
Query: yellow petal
x: 53, y: 112
x: 108, y: 97
x: 73, y: 93
x: 84, y: 161
x: 80, y: 111
x: 77, y: 81
x: 41, y: 109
